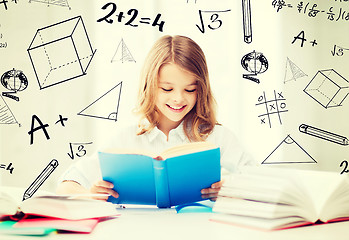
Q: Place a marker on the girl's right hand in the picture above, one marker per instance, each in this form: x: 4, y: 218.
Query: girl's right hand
x: 103, y: 187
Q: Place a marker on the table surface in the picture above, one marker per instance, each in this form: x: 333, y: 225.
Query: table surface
x: 152, y: 223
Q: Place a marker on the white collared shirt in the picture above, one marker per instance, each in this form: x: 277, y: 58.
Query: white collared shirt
x: 87, y: 170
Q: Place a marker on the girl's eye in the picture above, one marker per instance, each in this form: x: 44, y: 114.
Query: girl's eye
x: 191, y: 90
x: 166, y: 89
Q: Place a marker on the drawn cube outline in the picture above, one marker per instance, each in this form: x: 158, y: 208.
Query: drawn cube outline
x: 60, y: 52
x: 328, y: 88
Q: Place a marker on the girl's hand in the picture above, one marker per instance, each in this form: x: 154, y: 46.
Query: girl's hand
x: 103, y: 187
x: 212, y: 192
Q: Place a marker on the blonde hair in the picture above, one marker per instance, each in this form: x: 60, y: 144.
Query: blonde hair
x: 185, y: 53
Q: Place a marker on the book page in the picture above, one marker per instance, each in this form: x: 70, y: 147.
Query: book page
x: 320, y: 185
x: 187, y: 149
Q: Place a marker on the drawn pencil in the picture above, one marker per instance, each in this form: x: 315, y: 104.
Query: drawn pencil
x: 40, y: 179
x: 316, y: 132
x: 246, y: 16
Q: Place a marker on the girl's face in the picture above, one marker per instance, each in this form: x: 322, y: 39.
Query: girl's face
x: 176, y: 94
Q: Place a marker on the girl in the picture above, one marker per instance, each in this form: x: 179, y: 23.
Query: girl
x: 176, y: 106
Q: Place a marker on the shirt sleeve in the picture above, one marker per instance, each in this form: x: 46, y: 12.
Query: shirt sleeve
x: 85, y: 171
x: 233, y: 155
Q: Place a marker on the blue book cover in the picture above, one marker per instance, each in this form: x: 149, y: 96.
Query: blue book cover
x: 169, y: 180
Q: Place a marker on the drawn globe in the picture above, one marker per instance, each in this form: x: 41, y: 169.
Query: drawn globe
x: 254, y: 62
x: 14, y: 80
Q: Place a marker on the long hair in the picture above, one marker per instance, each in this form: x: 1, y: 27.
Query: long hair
x: 185, y: 53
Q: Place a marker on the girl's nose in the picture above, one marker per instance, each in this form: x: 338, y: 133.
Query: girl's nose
x: 177, y: 96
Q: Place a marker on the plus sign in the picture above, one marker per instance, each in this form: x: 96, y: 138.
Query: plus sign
x: 61, y: 119
x: 313, y: 43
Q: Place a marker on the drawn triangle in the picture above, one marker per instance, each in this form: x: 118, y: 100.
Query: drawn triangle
x: 288, y: 151
x: 122, y: 53
x: 293, y: 72
x: 6, y: 116
x: 106, y: 106
x: 62, y: 3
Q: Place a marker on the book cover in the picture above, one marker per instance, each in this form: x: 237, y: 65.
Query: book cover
x: 141, y: 179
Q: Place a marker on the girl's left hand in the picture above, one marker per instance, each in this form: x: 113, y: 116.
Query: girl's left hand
x: 212, y: 192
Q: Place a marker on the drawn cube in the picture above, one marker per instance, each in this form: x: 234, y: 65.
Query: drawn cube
x: 60, y: 52
x: 328, y: 88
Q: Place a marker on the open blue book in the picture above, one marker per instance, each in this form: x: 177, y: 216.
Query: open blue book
x: 174, y: 177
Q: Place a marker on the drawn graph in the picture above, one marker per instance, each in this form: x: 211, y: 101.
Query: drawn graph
x: 292, y: 72
x: 106, y: 106
x: 122, y: 53
x: 288, y: 151
x: 274, y: 107
x: 328, y: 88
x: 61, y: 3
x: 6, y: 115
x: 50, y: 65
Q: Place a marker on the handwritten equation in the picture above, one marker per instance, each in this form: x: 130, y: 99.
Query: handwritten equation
x: 2, y: 44
x: 215, y: 20
x: 313, y: 10
x: 77, y: 149
x: 130, y: 18
x: 8, y: 168
x: 344, y: 164
x: 338, y: 51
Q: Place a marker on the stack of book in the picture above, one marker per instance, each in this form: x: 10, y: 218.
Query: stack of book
x: 276, y: 198
x: 43, y: 215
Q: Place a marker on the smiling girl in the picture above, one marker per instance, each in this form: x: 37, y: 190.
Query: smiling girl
x: 176, y: 106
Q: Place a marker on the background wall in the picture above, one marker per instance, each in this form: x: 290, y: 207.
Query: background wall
x: 79, y: 72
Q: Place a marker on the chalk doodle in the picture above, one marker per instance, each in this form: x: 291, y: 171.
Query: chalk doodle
x: 132, y: 16
x: 106, y: 106
x: 313, y: 10
x: 255, y: 63
x: 78, y: 149
x: 328, y: 88
x: 15, y: 81
x: 36, y: 184
x: 43, y: 127
x: 301, y: 37
x: 323, y: 134
x: 9, y: 167
x: 292, y: 72
x: 122, y: 53
x: 284, y: 153
x: 50, y: 66
x: 272, y: 107
x: 61, y: 3
x: 215, y: 21
x: 246, y: 20
x: 6, y: 115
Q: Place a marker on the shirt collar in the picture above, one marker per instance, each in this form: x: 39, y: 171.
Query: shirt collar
x: 156, y: 132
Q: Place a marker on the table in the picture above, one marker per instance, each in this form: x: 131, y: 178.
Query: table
x: 167, y: 224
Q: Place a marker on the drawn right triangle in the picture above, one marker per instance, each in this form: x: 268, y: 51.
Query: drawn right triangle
x: 288, y: 151
x: 293, y: 72
x: 106, y: 106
